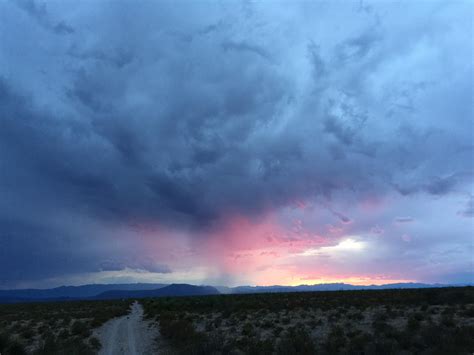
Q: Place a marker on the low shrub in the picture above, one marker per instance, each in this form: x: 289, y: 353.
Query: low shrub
x: 247, y: 329
x: 95, y: 343
x: 9, y: 346
x: 296, y: 341
x: 335, y: 340
x: 80, y: 328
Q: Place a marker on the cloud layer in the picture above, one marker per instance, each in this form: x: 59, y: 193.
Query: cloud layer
x: 126, y: 125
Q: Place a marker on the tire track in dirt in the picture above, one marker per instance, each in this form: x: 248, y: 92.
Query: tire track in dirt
x: 130, y: 334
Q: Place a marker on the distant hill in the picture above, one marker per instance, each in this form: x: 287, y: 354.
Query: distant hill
x: 142, y: 290
x: 167, y: 291
x: 70, y: 292
x: 327, y: 287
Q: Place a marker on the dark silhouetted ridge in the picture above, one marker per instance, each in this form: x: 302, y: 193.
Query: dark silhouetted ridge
x: 174, y: 290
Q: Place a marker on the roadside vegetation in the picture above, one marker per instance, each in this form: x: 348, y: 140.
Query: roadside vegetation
x: 421, y: 321
x: 55, y: 328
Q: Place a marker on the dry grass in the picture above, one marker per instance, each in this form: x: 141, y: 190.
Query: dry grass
x: 59, y: 327
x: 366, y: 322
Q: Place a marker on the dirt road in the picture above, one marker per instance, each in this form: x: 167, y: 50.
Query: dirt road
x: 130, y: 334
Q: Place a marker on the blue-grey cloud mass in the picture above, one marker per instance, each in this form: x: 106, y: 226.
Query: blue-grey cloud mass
x: 180, y: 114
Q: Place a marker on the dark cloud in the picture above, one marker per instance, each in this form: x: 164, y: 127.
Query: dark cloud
x: 143, y: 264
x: 342, y: 218
x: 39, y: 13
x: 357, y: 47
x: 441, y: 185
x: 246, y: 47
x: 32, y: 250
x: 404, y: 219
x: 118, y: 57
x: 468, y: 210
x: 184, y: 120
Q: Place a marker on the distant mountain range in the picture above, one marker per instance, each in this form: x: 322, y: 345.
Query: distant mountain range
x: 167, y: 291
x: 143, y: 290
x: 71, y: 292
x: 327, y: 287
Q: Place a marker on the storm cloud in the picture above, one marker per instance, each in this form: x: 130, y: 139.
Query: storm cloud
x: 183, y: 114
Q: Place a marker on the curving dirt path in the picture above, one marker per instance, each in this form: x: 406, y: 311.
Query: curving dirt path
x: 130, y: 334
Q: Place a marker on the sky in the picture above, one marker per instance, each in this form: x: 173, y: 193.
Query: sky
x: 236, y: 142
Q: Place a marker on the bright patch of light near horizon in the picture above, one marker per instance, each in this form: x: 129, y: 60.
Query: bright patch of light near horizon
x: 348, y: 245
